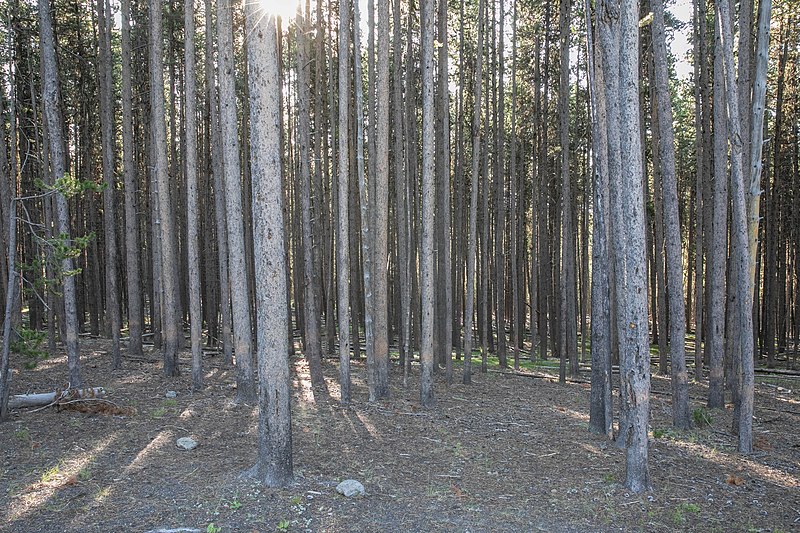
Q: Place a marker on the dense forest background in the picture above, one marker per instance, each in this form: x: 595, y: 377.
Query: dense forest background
x: 509, y: 181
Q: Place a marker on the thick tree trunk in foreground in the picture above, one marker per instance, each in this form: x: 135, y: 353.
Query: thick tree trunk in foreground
x: 342, y: 228
x: 601, y: 416
x: 274, y: 464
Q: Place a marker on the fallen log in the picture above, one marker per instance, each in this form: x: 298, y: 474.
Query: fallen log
x: 46, y: 398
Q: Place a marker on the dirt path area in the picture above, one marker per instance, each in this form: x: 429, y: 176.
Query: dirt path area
x: 507, y: 453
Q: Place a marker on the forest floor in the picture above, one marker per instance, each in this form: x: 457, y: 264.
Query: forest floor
x: 508, y: 453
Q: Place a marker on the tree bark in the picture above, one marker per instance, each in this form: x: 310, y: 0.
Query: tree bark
x: 192, y: 215
x: 274, y: 464
x: 312, y: 340
x: 672, y: 230
x: 132, y: 246
x: 428, y: 203
x: 169, y: 289
x: 342, y: 228
x: 51, y: 96
x: 237, y: 268
x: 742, y: 258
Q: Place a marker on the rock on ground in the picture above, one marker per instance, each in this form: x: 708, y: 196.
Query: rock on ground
x: 350, y: 488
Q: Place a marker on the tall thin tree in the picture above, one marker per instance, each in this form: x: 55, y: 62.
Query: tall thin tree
x: 274, y: 464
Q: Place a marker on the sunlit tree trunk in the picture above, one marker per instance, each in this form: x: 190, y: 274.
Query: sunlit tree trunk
x: 274, y: 463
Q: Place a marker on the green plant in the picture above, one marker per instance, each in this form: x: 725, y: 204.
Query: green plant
x: 158, y: 413
x: 689, y: 508
x: 170, y: 402
x: 29, y: 344
x: 659, y: 433
x: 211, y: 528
x: 235, y: 504
x: 679, y: 515
x: 85, y: 474
x: 283, y: 525
x: 296, y: 500
x: 701, y: 417
x: 22, y: 434
x: 51, y: 473
x: 608, y: 477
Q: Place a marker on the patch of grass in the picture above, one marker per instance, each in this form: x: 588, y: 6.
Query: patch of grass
x: 296, y: 500
x: 85, y: 474
x: 159, y: 412
x: 701, y: 417
x: 22, y: 434
x: 283, y: 525
x: 659, y: 433
x: 51, y: 473
x: 170, y: 402
x: 608, y: 477
x: 211, y: 528
x: 679, y: 514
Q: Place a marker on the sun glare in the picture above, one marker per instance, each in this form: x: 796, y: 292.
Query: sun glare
x: 285, y: 9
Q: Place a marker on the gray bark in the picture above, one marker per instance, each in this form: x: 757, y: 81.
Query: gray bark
x: 428, y: 203
x: 342, y: 228
x: 569, y: 316
x: 237, y: 267
x: 672, y: 230
x: 192, y: 211
x: 715, y: 345
x: 473, y: 203
x: 381, y: 209
x: 274, y: 464
x: 741, y: 257
x: 632, y: 278
x: 132, y: 252
x: 601, y: 416
x: 54, y: 118
x: 313, y: 342
x: 106, y: 76
x: 169, y: 284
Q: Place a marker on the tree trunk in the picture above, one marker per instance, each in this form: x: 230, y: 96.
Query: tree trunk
x: 106, y: 76
x: 132, y: 245
x: 601, y: 415
x: 473, y: 204
x: 739, y: 228
x: 672, y: 230
x: 428, y: 203
x: 342, y: 233
x: 169, y: 303
x: 313, y: 343
x: 274, y: 464
x: 237, y: 268
x: 715, y: 346
x: 192, y: 214
x: 51, y: 96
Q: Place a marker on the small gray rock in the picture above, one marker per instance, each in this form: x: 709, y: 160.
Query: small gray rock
x: 187, y: 443
x: 171, y: 394
x: 350, y: 488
